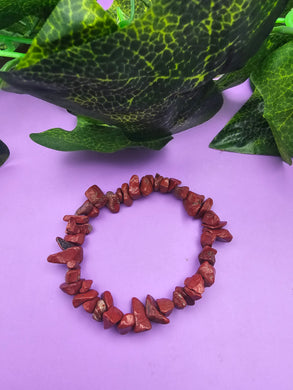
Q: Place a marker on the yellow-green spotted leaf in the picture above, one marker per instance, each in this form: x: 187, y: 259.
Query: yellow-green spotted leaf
x: 248, y: 131
x: 273, y: 42
x: 71, y: 23
x: 274, y: 81
x: 155, y: 76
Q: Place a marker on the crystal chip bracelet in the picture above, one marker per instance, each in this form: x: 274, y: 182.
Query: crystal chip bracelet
x: 102, y: 307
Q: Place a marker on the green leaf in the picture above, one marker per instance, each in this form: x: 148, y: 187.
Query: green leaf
x: 152, y: 77
x: 289, y: 18
x: 275, y: 84
x: 69, y: 26
x: 285, y: 30
x: 248, y: 131
x: 24, y: 29
x: 11, y: 11
x: 141, y: 6
x: 288, y: 8
x: 4, y: 153
x: 90, y: 134
x: 273, y: 42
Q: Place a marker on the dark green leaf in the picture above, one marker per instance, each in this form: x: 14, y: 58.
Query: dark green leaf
x: 4, y: 153
x: 12, y: 11
x: 154, y: 76
x: 248, y: 131
x: 275, y: 83
x: 284, y: 30
x: 90, y: 134
x: 67, y: 27
x: 288, y: 8
x: 274, y: 41
x: 28, y: 27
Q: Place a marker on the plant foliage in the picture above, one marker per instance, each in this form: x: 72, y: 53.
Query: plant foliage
x: 135, y: 82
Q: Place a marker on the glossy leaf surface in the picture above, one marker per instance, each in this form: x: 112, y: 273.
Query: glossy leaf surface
x: 4, y: 152
x: 248, y: 131
x: 151, y: 78
x: 275, y: 83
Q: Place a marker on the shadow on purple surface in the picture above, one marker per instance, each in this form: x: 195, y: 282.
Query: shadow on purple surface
x: 123, y: 157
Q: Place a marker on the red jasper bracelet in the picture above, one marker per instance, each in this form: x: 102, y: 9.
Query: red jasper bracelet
x: 102, y: 308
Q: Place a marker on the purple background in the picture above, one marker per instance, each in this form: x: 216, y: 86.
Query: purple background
x: 239, y: 336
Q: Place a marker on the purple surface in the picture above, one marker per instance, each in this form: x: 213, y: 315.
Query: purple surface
x: 239, y: 336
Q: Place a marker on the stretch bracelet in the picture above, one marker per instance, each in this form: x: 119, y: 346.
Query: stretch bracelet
x: 154, y: 310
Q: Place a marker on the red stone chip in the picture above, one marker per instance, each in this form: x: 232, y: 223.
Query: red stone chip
x: 108, y: 299
x: 141, y: 322
x: 134, y: 190
x: 86, y: 285
x: 126, y: 324
x: 72, y: 275
x: 94, y: 212
x: 153, y: 313
x: 219, y: 225
x: 179, y: 301
x: 223, y: 235
x: 146, y: 187
x: 96, y: 196
x: 127, y: 200
x: 157, y: 182
x: 192, y: 203
x: 206, y: 206
x: 192, y: 294
x: 85, y: 209
x: 164, y: 185
x: 71, y: 288
x: 196, y: 284
x: 151, y: 179
x: 90, y: 305
x: 76, y: 218
x: 75, y: 238
x: 79, y: 299
x: 165, y: 306
x: 173, y: 183
x: 112, y: 317
x: 189, y: 301
x: 207, y: 254
x: 119, y: 193
x: 113, y: 202
x: 71, y: 257
x: 181, y: 192
x: 210, y: 218
x: 207, y: 238
x: 73, y: 228
x: 208, y: 273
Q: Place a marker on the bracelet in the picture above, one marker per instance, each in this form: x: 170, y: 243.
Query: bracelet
x: 156, y: 310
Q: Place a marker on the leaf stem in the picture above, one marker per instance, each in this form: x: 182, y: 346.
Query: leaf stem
x: 122, y: 22
x: 280, y: 20
x: 9, y: 65
x: 132, y: 10
x: 7, y: 38
x: 11, y: 54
